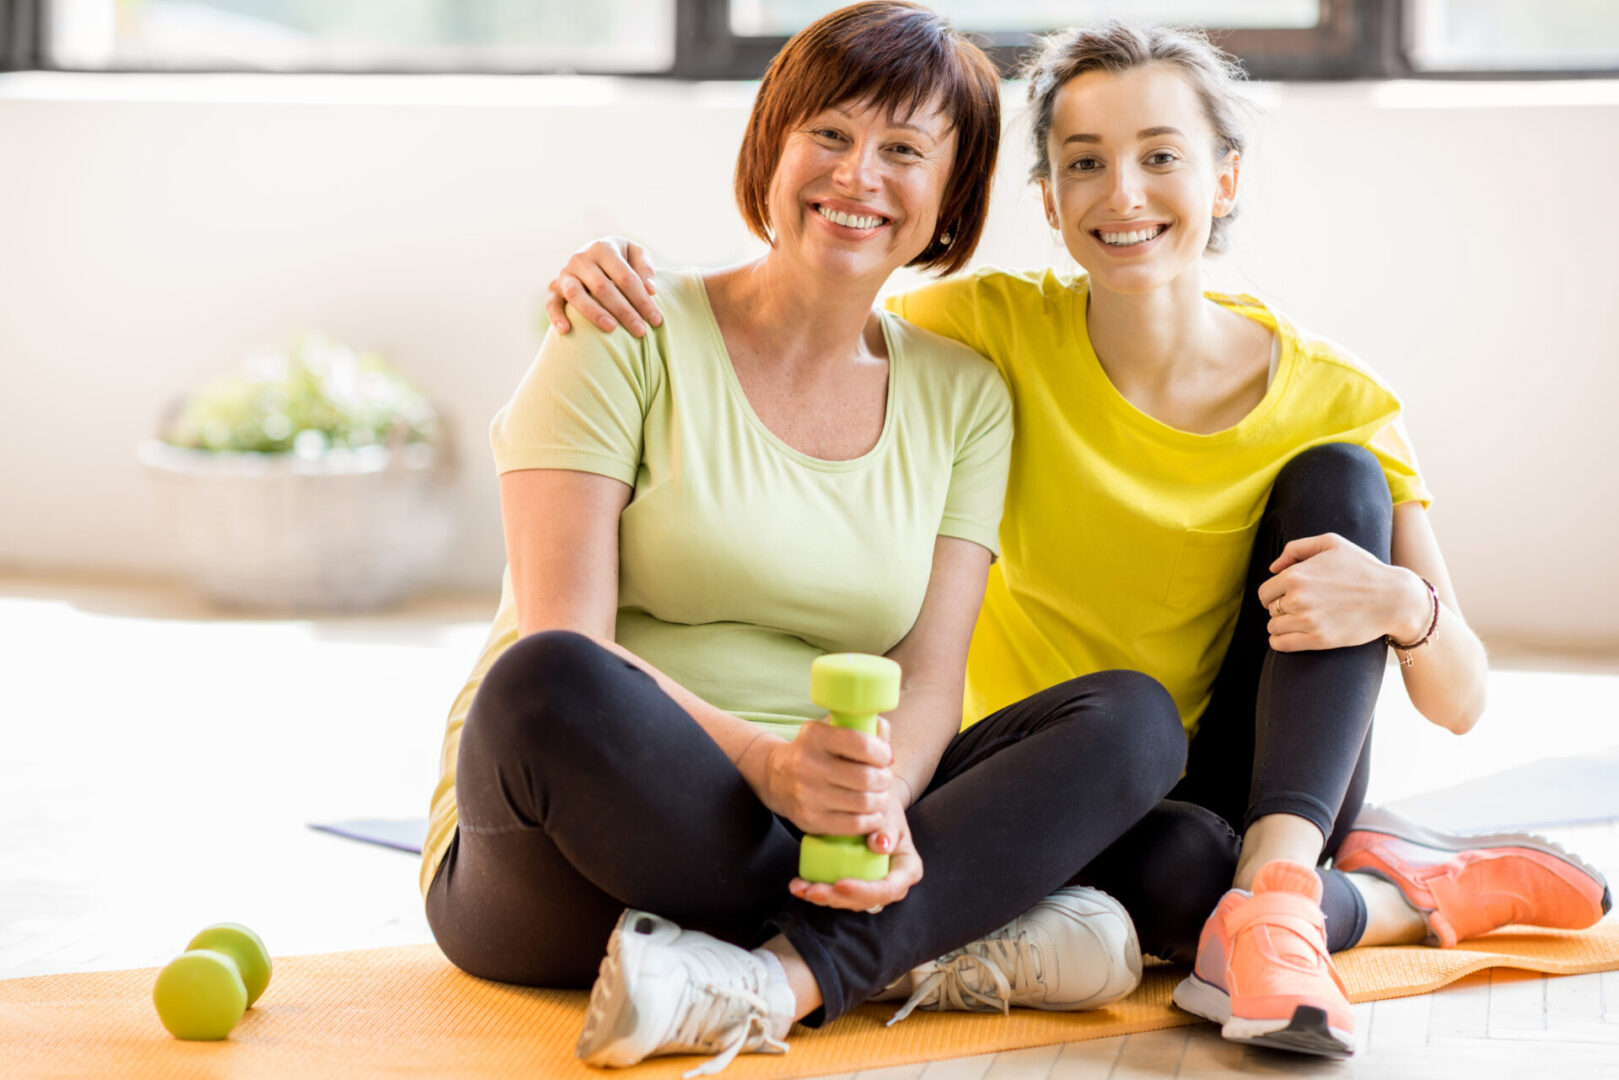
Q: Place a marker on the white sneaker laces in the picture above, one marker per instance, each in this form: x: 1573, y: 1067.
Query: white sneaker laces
x: 945, y: 983
x: 740, y: 1017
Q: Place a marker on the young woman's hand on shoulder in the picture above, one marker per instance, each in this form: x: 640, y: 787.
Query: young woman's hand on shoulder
x: 609, y: 282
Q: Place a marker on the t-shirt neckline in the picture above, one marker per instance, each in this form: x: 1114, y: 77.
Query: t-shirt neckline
x: 1247, y: 306
x: 740, y: 396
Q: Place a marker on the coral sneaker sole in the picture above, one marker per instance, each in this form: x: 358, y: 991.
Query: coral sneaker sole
x: 1489, y: 881
x: 1307, y: 1031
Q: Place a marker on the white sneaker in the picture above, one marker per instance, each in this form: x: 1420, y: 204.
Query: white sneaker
x: 1076, y: 949
x: 664, y: 990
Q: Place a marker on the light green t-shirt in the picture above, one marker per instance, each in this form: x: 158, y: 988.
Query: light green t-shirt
x: 741, y: 559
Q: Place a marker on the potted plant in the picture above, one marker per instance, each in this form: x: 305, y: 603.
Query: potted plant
x: 313, y: 478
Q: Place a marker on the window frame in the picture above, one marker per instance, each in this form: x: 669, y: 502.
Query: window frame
x: 1356, y: 39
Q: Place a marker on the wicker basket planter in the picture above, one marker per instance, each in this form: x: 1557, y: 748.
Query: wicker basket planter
x: 346, y: 530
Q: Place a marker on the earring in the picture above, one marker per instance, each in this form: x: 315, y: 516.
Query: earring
x: 944, y: 239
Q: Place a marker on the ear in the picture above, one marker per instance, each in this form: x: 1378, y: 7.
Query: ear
x: 1225, y: 184
x: 1049, y: 202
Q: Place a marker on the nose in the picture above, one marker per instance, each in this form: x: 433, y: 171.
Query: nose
x: 856, y: 169
x: 1127, y: 193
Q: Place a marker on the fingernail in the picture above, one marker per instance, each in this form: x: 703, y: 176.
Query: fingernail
x: 637, y: 327
x: 607, y: 324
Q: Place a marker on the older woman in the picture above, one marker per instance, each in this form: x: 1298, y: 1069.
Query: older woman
x: 779, y: 472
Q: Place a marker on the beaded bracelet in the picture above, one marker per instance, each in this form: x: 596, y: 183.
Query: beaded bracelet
x: 1433, y: 624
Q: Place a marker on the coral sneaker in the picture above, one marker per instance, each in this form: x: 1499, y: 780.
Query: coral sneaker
x: 1470, y: 885
x: 1263, y: 972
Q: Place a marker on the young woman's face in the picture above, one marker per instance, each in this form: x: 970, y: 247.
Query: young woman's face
x: 857, y: 191
x: 1135, y: 178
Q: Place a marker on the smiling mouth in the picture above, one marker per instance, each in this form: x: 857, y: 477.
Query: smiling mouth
x: 1131, y: 238
x: 851, y: 221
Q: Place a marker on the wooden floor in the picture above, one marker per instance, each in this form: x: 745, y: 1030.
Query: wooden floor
x: 159, y: 764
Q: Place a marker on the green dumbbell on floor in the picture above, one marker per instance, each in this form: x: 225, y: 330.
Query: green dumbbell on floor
x: 853, y: 688
x: 205, y: 990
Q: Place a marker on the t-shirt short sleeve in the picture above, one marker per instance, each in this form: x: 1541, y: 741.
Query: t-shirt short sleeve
x: 977, y: 491
x: 581, y: 405
x: 948, y: 308
x: 1392, y: 447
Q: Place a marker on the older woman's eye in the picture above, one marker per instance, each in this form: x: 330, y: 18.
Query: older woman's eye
x: 906, y: 149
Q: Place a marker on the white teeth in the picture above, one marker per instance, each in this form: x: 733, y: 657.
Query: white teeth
x: 853, y: 221
x: 1125, y: 239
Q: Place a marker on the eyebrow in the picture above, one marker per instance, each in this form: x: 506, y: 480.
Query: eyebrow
x: 893, y: 122
x: 1144, y: 133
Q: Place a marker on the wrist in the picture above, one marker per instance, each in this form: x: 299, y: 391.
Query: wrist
x: 754, y: 761
x: 1414, y: 608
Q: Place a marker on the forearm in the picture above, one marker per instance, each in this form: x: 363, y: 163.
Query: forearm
x: 921, y: 728
x: 1445, y: 678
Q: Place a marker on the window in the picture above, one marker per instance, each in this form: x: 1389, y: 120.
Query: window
x: 361, y: 35
x: 735, y: 39
x: 1495, y: 36
x: 762, y: 18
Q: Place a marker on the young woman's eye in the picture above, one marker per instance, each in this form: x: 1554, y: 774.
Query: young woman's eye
x: 1162, y: 157
x: 1085, y: 164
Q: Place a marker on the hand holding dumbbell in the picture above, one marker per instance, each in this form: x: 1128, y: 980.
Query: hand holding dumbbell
x: 853, y: 688
x: 202, y: 993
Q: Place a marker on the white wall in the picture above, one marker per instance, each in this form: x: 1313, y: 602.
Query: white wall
x: 1460, y: 238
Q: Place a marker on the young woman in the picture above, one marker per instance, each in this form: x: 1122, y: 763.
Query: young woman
x: 691, y: 518
x: 1203, y: 492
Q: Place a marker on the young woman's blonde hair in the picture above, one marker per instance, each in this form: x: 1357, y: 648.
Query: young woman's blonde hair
x: 1120, y: 46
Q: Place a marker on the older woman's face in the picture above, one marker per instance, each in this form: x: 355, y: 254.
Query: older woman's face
x: 857, y: 190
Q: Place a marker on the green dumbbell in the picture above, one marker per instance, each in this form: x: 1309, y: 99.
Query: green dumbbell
x: 853, y: 688
x: 205, y: 990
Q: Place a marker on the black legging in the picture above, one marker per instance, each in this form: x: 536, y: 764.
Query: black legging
x: 584, y: 789
x: 1283, y: 732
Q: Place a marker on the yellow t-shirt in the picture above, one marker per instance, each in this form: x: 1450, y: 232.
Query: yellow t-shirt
x: 741, y: 559
x: 1125, y: 542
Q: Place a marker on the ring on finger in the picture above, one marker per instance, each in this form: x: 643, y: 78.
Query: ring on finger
x: 1276, y: 608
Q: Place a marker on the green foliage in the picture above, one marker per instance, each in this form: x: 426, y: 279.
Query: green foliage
x: 308, y: 398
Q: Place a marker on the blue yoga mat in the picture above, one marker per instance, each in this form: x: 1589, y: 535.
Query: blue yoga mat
x: 405, y: 834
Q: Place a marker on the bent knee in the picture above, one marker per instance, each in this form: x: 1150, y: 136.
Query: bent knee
x: 1340, y: 488
x: 1146, y: 718
x: 545, y: 682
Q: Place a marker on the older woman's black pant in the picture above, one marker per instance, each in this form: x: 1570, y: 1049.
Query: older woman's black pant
x: 584, y: 789
x: 1283, y: 732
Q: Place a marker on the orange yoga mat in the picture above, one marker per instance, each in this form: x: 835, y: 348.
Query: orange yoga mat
x: 408, y: 1012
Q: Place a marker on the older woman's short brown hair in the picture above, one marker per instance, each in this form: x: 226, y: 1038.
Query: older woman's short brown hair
x: 895, y: 55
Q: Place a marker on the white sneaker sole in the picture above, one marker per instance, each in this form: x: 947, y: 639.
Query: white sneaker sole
x: 611, y: 1018
x: 1305, y: 1032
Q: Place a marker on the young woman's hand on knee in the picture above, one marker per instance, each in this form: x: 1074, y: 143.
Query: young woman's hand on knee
x: 893, y: 837
x: 1329, y: 593
x: 829, y: 780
